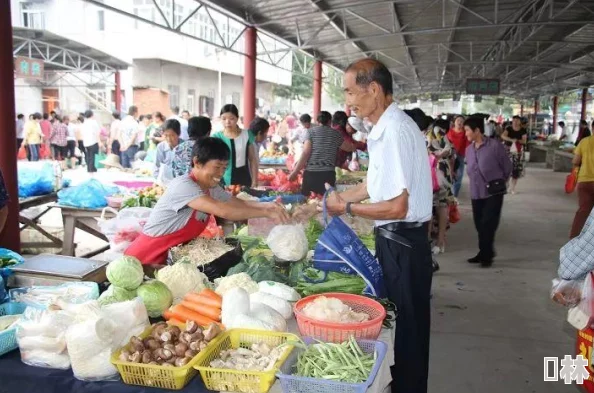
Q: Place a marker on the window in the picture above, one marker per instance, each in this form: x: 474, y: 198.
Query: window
x: 97, y: 99
x: 101, y: 20
x: 191, y: 102
x: 173, y: 95
x: 33, y: 18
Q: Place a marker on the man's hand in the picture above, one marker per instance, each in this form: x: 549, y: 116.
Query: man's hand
x: 293, y: 176
x: 335, y: 205
x: 277, y: 213
x: 303, y: 213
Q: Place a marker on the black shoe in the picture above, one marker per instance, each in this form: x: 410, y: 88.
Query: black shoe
x: 487, y: 262
x: 435, y: 265
x: 476, y: 259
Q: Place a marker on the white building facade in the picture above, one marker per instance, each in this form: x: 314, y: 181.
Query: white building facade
x: 167, y: 69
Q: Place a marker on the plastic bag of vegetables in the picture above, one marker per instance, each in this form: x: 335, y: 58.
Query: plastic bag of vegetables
x: 288, y: 242
x: 125, y: 227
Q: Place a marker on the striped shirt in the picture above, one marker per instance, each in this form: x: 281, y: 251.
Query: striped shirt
x: 397, y: 162
x: 325, y: 143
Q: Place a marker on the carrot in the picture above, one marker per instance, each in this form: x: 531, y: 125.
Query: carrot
x: 210, y: 312
x: 211, y: 294
x: 202, y: 299
x: 168, y: 314
x: 177, y: 322
x: 184, y: 314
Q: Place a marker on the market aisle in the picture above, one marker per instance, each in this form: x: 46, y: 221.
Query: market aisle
x: 492, y: 327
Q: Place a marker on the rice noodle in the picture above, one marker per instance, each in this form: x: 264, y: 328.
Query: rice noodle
x: 201, y: 251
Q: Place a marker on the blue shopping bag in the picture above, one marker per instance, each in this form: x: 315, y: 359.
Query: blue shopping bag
x: 339, y: 249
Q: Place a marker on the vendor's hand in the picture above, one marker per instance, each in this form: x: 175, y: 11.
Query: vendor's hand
x: 277, y: 213
x: 293, y: 176
x: 303, y: 213
x: 335, y: 205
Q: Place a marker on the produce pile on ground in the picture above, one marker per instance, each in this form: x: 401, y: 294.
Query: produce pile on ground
x: 146, y: 197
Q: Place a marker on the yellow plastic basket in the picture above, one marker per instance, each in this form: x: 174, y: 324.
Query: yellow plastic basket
x: 241, y: 381
x: 174, y: 378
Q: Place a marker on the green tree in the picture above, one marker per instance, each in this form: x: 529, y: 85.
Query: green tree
x: 301, y: 85
x: 333, y: 86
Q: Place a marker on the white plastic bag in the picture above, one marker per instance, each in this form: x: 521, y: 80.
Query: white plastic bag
x: 165, y: 175
x: 288, y: 242
x: 581, y: 316
x: 125, y: 227
x: 567, y: 292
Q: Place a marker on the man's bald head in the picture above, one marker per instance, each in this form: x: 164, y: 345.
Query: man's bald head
x: 370, y: 70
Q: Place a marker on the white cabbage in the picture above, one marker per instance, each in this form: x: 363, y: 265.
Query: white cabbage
x: 288, y: 242
x: 182, y: 278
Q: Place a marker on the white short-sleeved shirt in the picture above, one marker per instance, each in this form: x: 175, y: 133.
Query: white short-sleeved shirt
x: 398, y: 161
x: 90, y: 132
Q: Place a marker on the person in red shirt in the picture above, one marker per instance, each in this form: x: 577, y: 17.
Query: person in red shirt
x: 46, y: 129
x: 458, y: 139
x: 339, y: 123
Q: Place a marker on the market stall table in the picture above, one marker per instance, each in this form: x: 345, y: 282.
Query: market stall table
x: 83, y: 219
x: 33, y: 222
x: 562, y: 161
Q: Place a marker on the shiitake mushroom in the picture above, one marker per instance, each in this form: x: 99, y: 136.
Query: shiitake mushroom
x: 147, y: 357
x: 136, y: 357
x: 191, y: 327
x: 181, y: 348
x: 185, y: 337
x: 169, y: 347
x: 151, y: 343
x: 125, y: 356
x: 166, y: 336
x: 190, y: 353
x: 182, y: 361
x: 136, y: 344
x: 174, y: 330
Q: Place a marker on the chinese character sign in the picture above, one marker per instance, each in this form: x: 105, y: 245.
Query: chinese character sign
x: 482, y: 86
x: 28, y: 68
x: 571, y: 369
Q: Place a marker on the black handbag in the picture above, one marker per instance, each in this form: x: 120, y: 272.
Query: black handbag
x: 494, y: 187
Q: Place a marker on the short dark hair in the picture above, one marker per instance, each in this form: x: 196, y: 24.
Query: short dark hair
x: 199, y: 127
x: 159, y: 115
x: 148, y: 116
x: 88, y: 114
x: 45, y: 116
x: 20, y: 116
x: 305, y: 118
x: 516, y: 117
x: 561, y: 123
x: 340, y: 118
x: 419, y: 117
x: 475, y: 122
x: 583, y: 123
x: 209, y: 149
x: 259, y: 126
x: 324, y: 118
x: 443, y: 124
x: 116, y: 115
x: 371, y: 70
x: 141, y: 118
x: 132, y: 110
x: 172, y: 124
x: 230, y: 108
x: 175, y: 110
x: 37, y: 116
x: 186, y: 111
x: 81, y: 118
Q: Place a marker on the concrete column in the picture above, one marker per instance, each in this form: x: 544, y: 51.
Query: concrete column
x: 584, y: 103
x: 118, y: 92
x: 555, y: 107
x: 521, y: 109
x: 249, y: 76
x: 317, y: 89
x: 10, y: 236
x: 536, y: 106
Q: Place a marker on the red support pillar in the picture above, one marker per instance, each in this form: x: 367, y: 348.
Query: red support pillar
x: 555, y: 107
x: 584, y: 103
x: 317, y: 89
x: 249, y: 76
x: 10, y: 236
x: 118, y: 92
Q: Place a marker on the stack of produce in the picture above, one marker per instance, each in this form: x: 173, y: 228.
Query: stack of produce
x: 266, y: 308
x: 201, y: 251
x: 147, y: 197
x: 203, y: 308
x: 169, y: 345
x: 259, y: 357
x: 182, y: 278
x: 126, y: 277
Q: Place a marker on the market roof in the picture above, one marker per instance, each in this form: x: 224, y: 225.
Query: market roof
x: 62, y: 54
x: 533, y: 46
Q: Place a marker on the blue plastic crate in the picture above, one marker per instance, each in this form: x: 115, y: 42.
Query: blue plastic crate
x: 293, y: 384
x: 8, y: 340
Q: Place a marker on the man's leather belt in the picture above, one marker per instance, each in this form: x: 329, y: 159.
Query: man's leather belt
x: 389, y: 231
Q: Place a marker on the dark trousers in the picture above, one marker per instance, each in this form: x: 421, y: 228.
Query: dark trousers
x: 128, y: 156
x: 486, y: 213
x: 83, y: 150
x: 585, y: 192
x: 407, y: 276
x: 115, y: 147
x: 315, y: 181
x: 90, y: 153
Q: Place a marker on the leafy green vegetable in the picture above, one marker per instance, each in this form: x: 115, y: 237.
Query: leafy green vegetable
x: 7, y: 261
x: 156, y: 297
x: 115, y: 294
x: 125, y: 272
x: 313, y: 281
x: 313, y: 231
x: 368, y: 240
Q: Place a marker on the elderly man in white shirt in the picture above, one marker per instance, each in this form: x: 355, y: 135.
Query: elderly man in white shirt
x: 129, y: 136
x: 399, y: 186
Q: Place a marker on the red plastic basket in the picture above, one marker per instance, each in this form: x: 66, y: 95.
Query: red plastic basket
x: 339, y: 332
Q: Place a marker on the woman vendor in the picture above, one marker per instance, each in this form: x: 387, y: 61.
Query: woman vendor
x: 183, y: 211
x: 244, y: 162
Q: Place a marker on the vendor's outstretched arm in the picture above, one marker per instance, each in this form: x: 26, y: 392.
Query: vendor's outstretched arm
x: 237, y: 210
